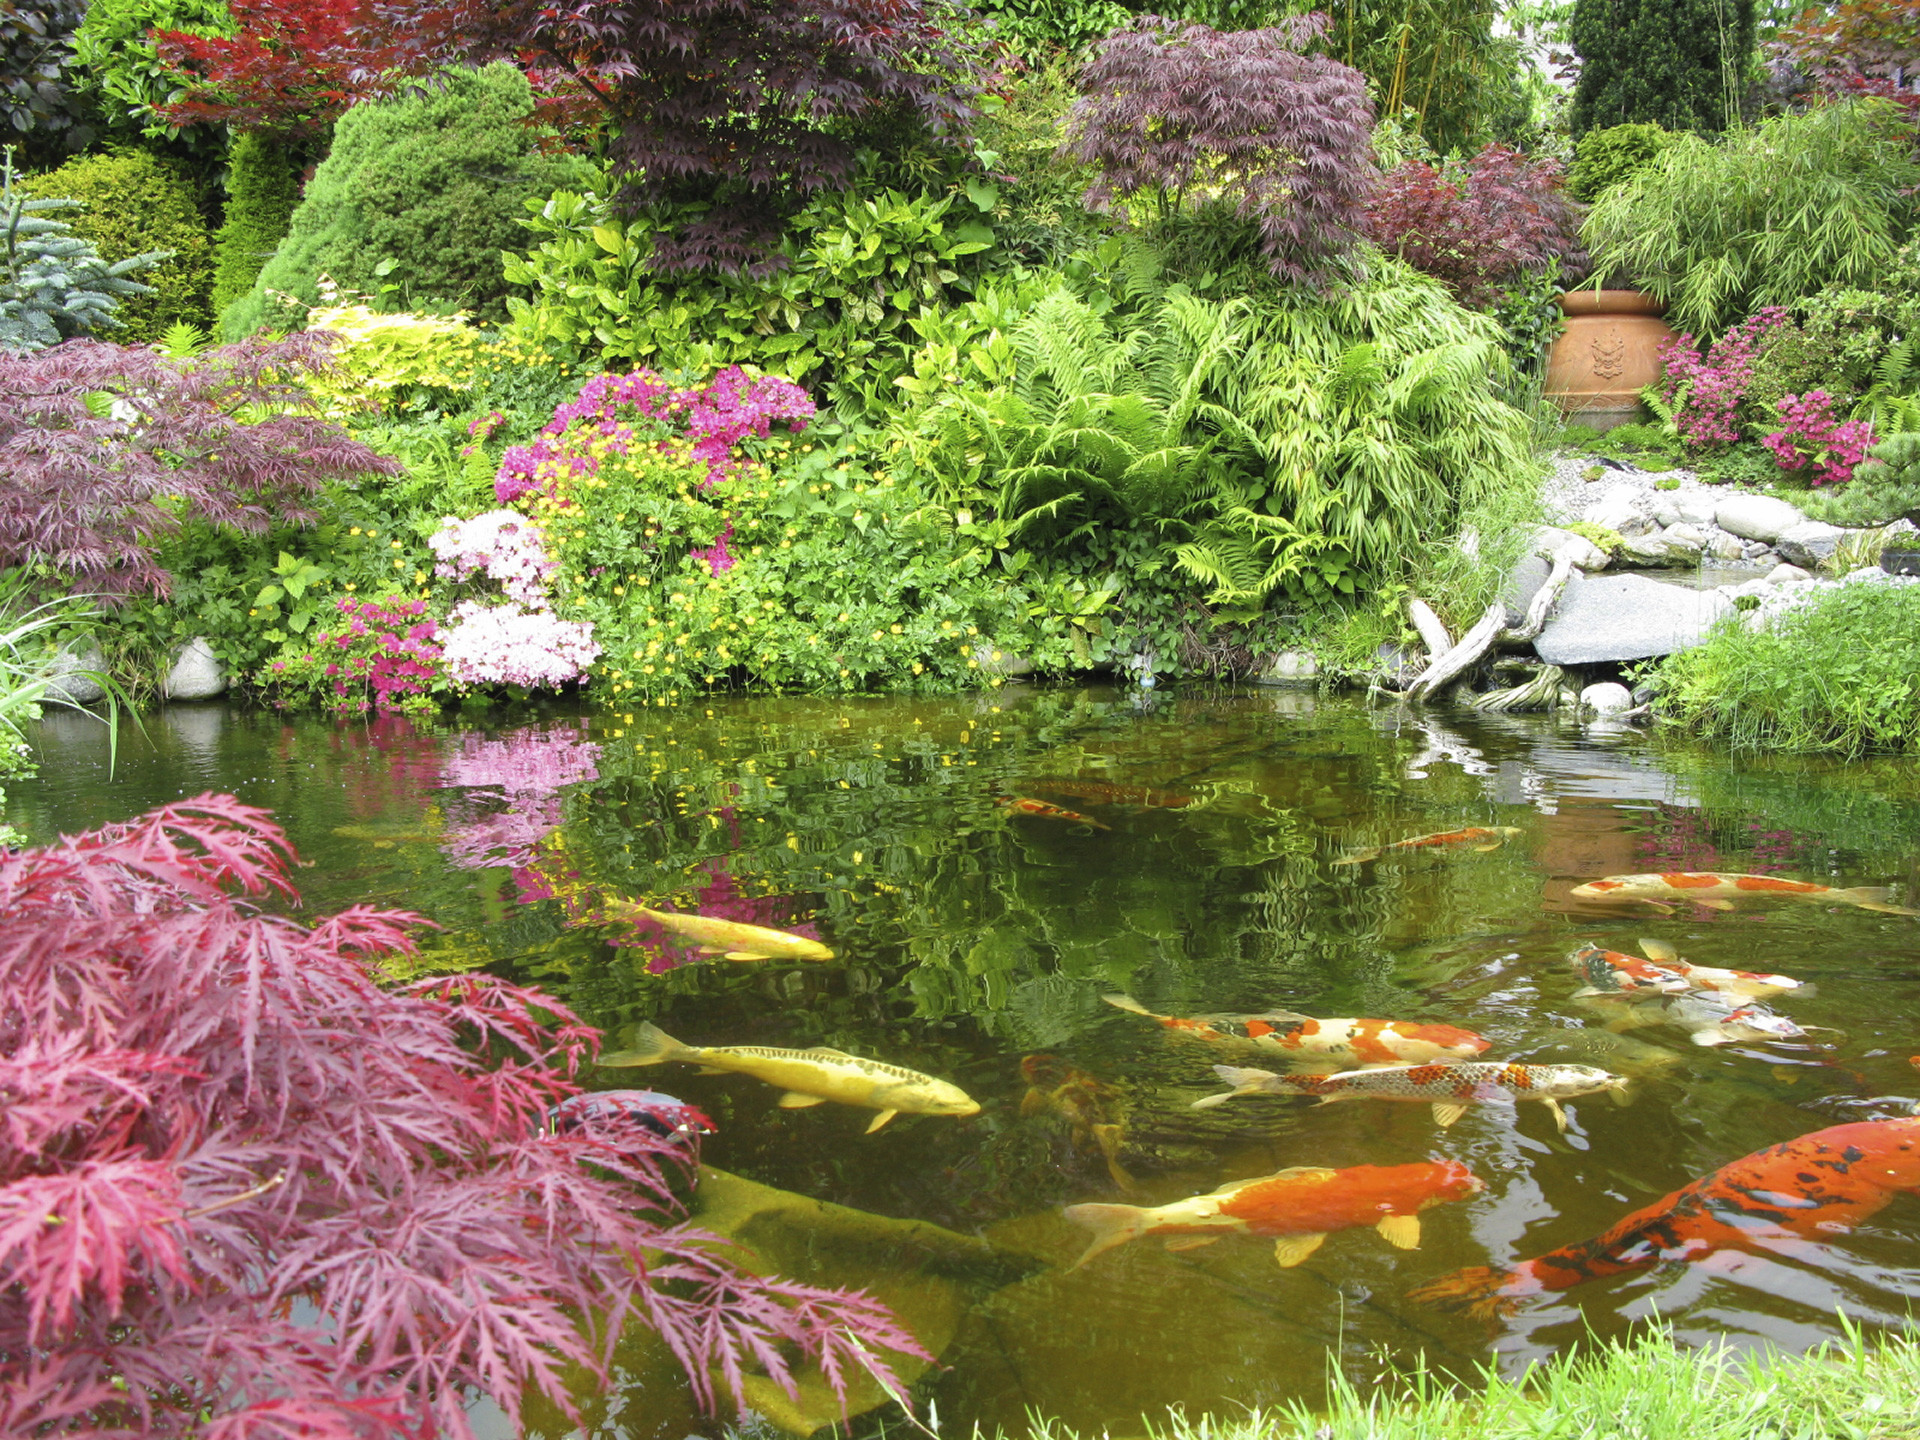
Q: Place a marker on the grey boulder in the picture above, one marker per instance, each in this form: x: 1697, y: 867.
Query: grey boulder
x: 69, y: 685
x: 1756, y: 517
x: 1626, y: 617
x: 1606, y: 698
x: 1291, y: 667
x: 1808, y: 543
x: 197, y: 673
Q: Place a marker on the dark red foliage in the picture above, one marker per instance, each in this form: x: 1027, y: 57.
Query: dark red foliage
x: 1862, y: 47
x: 1193, y: 114
x: 292, y: 67
x: 1480, y: 225
x: 246, y: 1192
x: 85, y: 485
x: 749, y: 105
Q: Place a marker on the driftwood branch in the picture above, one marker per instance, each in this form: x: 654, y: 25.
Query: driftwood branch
x: 1542, y: 692
x: 1433, y: 631
x: 1489, y: 629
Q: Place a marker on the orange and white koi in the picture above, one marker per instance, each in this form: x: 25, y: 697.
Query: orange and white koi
x: 1346, y: 1043
x: 1727, y: 982
x: 1711, y: 1018
x: 1480, y: 838
x: 1297, y: 1208
x: 1819, y: 1185
x: 729, y: 938
x: 1101, y: 793
x: 1021, y: 805
x: 1450, y: 1089
x: 1614, y: 975
x: 1718, y: 890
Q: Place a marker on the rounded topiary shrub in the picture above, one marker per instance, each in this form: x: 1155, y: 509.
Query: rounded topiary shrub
x: 262, y: 193
x: 421, y: 194
x: 1604, y: 158
x: 132, y: 203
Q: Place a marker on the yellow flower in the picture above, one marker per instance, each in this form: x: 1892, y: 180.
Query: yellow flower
x: 393, y: 544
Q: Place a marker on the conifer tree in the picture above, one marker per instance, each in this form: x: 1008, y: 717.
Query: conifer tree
x: 262, y: 194
x: 1680, y: 64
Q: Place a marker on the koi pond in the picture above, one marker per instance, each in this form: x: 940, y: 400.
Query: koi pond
x: 988, y: 870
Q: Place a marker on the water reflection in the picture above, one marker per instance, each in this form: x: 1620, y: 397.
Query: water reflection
x: 970, y: 939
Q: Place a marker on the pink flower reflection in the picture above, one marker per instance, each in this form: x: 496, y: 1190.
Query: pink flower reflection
x: 529, y: 769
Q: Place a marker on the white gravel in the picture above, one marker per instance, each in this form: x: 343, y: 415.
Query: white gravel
x: 1566, y: 492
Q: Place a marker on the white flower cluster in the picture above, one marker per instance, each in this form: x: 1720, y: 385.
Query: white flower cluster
x: 510, y: 645
x: 507, y: 546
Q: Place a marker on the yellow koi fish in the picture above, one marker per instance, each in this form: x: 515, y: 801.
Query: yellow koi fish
x: 809, y: 1077
x: 1718, y: 891
x: 1481, y: 838
x: 728, y: 938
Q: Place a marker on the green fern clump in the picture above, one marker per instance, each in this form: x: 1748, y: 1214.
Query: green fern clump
x: 53, y: 284
x: 1271, y: 445
x: 134, y: 203
x: 418, y: 196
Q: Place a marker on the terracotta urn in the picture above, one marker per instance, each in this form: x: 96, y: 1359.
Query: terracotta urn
x: 1609, y: 350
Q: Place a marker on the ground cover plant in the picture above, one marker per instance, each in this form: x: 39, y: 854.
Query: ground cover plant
x: 1839, y: 672
x: 236, y: 1125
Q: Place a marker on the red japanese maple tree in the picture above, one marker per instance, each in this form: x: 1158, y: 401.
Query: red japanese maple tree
x: 245, y: 1191
x: 1861, y: 47
x: 291, y: 66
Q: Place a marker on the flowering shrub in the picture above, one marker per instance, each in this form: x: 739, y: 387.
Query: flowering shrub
x: 1705, y: 390
x: 384, y: 658
x: 501, y: 544
x: 1480, y: 225
x: 511, y: 645
x: 251, y: 1193
x: 1813, y: 441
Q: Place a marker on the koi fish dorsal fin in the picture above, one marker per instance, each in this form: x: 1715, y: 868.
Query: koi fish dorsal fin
x: 1657, y: 951
x: 1400, y: 1231
x: 1290, y: 1250
x: 828, y: 1050
x: 1307, y: 1172
x: 1291, y: 1016
x: 1127, y: 1003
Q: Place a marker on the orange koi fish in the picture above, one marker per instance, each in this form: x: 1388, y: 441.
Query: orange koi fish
x: 1481, y: 838
x: 1727, y: 982
x: 1615, y: 975
x: 1341, y: 1044
x: 1297, y: 1208
x: 1020, y: 805
x: 1718, y: 891
x: 1807, y: 1189
x: 1095, y: 1112
x: 1448, y: 1088
x: 1102, y: 793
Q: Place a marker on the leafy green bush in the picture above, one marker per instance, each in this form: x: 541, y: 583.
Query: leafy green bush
x: 425, y: 190
x: 1039, y: 210
x: 1268, y: 444
x: 263, y: 191
x: 118, y: 66
x: 54, y: 284
x: 402, y: 363
x: 1602, y: 159
x: 1840, y: 671
x: 1883, y: 489
x: 133, y: 203
x: 40, y: 104
x: 1769, y: 216
x: 858, y: 268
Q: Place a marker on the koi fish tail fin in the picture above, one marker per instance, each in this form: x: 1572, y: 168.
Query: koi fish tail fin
x: 1127, y: 1003
x: 1245, y: 1080
x: 1479, y: 1290
x: 1359, y: 857
x: 1111, y: 1225
x: 1873, y: 897
x: 651, y: 1046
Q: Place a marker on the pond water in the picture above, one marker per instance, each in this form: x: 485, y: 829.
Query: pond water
x: 970, y: 937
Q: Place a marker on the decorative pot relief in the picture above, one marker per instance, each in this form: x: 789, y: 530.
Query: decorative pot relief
x: 1609, y: 352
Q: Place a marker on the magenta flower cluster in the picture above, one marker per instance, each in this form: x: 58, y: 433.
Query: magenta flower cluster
x: 1708, y: 389
x: 384, y: 656
x: 715, y: 418
x: 501, y: 544
x: 1814, y: 441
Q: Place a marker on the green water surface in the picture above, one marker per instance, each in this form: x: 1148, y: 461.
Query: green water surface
x: 969, y: 938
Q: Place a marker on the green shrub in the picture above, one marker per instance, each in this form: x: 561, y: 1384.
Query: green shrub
x: 1769, y: 216
x: 1604, y: 158
x: 53, y: 284
x: 263, y: 191
x: 133, y: 203
x: 1840, y: 671
x: 118, y: 66
x: 859, y: 270
x: 418, y: 197
x: 1677, y: 63
x: 1884, y: 488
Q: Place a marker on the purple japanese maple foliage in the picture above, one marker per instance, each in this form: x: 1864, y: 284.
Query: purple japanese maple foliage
x: 1243, y: 116
x: 247, y: 1192
x: 102, y: 446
